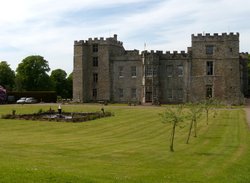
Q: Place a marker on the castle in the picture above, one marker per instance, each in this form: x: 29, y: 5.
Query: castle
x: 211, y: 68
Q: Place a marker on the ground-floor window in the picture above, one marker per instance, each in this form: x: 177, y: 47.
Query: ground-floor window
x: 209, y: 91
x: 180, y: 93
x: 170, y: 93
x: 133, y: 93
x: 94, y: 93
x: 120, y: 90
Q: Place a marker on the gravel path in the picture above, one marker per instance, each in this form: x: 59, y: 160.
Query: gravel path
x: 247, y: 109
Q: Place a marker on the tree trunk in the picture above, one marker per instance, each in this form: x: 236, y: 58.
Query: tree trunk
x: 190, y: 129
x: 172, y: 138
x: 195, y: 128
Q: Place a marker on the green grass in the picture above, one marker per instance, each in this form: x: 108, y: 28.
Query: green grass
x: 132, y: 146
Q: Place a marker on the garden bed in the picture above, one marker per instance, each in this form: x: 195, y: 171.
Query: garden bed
x: 59, y: 117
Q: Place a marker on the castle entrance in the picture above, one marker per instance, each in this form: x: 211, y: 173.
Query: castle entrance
x: 148, y: 97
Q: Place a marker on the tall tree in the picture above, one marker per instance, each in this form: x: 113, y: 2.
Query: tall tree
x: 32, y: 74
x: 70, y: 85
x: 7, y: 76
x: 58, y: 78
x: 2, y: 95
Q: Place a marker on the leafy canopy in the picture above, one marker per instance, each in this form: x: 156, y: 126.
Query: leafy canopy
x: 32, y: 73
x: 7, y: 75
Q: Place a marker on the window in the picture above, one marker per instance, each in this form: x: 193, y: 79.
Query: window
x: 180, y: 93
x: 209, y: 91
x: 94, y: 92
x: 133, y: 71
x: 133, y: 93
x: 95, y: 47
x: 155, y: 71
x: 120, y: 72
x: 95, y: 61
x: 209, y: 49
x: 170, y: 93
x: 210, y: 68
x: 180, y: 70
x: 169, y: 70
x: 148, y: 70
x: 120, y: 91
x: 95, y: 77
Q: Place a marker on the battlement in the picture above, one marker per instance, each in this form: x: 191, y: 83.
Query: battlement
x: 215, y: 36
x: 101, y: 40
x: 168, y: 54
x: 244, y: 53
x: 132, y: 52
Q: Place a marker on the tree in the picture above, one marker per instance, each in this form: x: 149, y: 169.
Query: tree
x: 208, y: 105
x: 32, y: 74
x: 59, y: 81
x: 173, y: 116
x: 70, y: 85
x: 7, y: 76
x: 195, y: 112
x: 3, y: 95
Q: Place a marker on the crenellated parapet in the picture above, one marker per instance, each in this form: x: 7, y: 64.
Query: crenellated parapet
x: 244, y: 55
x: 101, y: 40
x: 215, y: 37
x: 132, y: 52
x: 168, y: 54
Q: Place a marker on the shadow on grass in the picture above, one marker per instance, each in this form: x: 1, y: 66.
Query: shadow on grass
x: 208, y: 154
x: 210, y: 137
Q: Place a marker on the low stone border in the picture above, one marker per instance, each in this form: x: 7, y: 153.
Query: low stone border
x: 63, y: 117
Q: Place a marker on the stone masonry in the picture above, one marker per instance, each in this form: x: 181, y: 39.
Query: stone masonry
x: 212, y: 68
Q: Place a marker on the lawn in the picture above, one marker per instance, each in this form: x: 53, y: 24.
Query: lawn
x: 132, y: 146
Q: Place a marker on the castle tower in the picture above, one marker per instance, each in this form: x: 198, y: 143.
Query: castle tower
x: 215, y: 68
x: 92, y: 80
x: 150, y: 80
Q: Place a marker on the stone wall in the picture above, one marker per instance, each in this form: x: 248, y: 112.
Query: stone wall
x: 124, y: 80
x: 175, y: 78
x: 225, y: 79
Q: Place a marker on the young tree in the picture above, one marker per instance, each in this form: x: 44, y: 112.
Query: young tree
x: 209, y: 105
x: 195, y: 112
x: 7, y: 76
x: 32, y: 74
x: 173, y: 115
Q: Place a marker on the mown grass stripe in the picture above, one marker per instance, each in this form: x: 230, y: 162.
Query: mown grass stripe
x: 132, y: 146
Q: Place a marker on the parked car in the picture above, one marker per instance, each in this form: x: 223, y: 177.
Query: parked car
x: 24, y: 100
x: 30, y: 100
x: 21, y: 100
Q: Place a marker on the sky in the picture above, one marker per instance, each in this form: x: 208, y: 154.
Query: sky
x: 49, y: 27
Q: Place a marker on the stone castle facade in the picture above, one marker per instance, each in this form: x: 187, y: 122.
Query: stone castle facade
x: 212, y: 67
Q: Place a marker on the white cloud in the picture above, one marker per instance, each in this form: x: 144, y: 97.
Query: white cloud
x: 44, y: 26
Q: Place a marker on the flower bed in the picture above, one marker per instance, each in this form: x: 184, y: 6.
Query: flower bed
x: 62, y: 117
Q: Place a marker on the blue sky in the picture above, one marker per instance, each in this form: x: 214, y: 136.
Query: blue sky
x: 49, y: 27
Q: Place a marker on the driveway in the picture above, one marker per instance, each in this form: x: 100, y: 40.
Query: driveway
x: 247, y: 109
